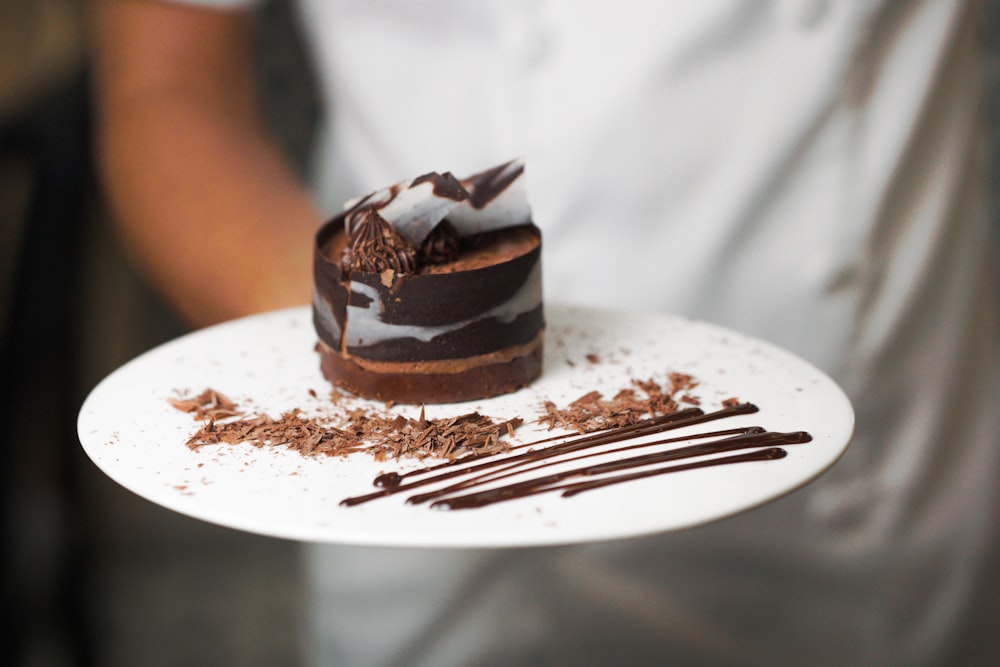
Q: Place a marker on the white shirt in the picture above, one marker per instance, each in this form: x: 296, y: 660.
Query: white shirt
x: 806, y: 171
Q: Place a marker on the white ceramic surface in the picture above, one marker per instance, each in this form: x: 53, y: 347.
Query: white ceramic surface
x: 267, y: 365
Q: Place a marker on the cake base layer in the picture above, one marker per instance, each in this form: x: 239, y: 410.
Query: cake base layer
x: 442, y: 382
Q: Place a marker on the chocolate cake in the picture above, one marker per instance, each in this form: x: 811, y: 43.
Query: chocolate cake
x: 429, y: 291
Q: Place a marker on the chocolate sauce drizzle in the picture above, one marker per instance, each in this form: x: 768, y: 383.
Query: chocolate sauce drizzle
x: 478, y: 470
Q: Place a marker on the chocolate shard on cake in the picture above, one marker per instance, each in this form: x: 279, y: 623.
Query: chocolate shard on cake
x: 430, y: 290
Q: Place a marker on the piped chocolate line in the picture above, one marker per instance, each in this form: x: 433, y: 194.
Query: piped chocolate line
x: 512, y: 492
x: 769, y: 454
x: 475, y: 470
x: 649, y: 426
x: 548, y: 460
x: 554, y: 481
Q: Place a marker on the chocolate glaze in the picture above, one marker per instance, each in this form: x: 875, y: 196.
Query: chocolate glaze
x: 767, y: 445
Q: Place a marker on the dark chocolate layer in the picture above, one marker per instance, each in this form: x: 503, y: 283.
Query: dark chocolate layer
x: 483, y: 336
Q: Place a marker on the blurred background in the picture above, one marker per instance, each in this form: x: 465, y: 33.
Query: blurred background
x: 93, y: 575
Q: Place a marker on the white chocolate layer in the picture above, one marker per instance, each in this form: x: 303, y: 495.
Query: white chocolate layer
x: 365, y: 325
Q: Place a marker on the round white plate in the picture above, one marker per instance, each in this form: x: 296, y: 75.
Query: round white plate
x: 266, y: 364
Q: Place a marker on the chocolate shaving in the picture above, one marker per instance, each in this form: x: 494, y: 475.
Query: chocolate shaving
x: 592, y: 412
x: 208, y: 405
x: 381, y: 435
x: 387, y: 436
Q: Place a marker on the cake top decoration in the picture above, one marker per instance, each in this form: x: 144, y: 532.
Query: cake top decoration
x: 376, y: 246
x: 488, y: 200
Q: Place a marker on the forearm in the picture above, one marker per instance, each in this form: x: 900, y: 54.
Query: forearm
x: 213, y: 216
x: 205, y: 203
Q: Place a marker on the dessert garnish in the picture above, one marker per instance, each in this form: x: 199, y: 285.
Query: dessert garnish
x: 382, y: 435
x: 472, y: 480
x: 375, y: 246
x: 476, y: 464
x: 488, y: 200
x: 424, y: 220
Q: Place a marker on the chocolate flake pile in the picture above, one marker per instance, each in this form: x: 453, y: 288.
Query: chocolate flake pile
x: 382, y: 436
x: 647, y: 398
x: 388, y: 436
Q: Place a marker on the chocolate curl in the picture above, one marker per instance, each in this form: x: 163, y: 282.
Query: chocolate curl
x: 491, y: 199
x: 497, y: 199
x: 415, y: 207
